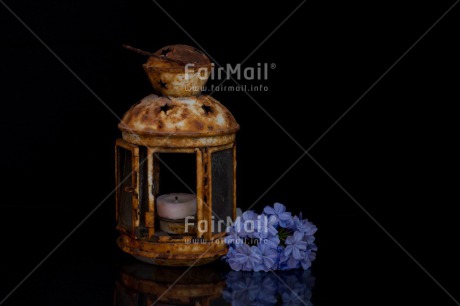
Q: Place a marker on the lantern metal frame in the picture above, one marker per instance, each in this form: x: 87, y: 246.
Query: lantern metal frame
x: 171, y: 249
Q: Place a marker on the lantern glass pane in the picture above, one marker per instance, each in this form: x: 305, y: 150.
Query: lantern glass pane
x: 222, y: 188
x: 125, y: 209
x: 143, y: 192
x: 177, y: 172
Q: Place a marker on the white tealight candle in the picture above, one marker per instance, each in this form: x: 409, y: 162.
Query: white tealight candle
x: 176, y: 205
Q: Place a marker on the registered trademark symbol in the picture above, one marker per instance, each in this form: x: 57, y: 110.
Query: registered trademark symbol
x: 273, y: 65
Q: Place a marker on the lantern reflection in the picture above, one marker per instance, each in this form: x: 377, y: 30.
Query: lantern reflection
x: 142, y: 284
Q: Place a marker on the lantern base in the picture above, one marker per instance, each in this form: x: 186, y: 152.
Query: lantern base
x: 173, y: 252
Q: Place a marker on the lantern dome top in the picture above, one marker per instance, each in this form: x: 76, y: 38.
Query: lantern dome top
x: 192, y: 116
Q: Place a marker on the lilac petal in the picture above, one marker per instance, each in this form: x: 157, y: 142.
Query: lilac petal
x: 255, y: 253
x: 234, y: 264
x: 247, y: 266
x: 272, y: 220
x: 269, y: 256
x: 258, y: 268
x: 273, y: 242
x: 249, y: 215
x: 305, y: 264
x: 272, y: 231
x: 285, y: 216
x: 309, y: 239
x: 301, y: 245
x: 290, y: 240
x: 280, y: 208
x: 296, y: 253
x: 240, y: 258
x: 312, y: 230
x: 269, y: 210
x: 292, y: 263
x: 298, y: 236
x: 268, y: 262
x: 283, y: 257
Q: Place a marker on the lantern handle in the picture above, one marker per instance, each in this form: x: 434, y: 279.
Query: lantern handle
x: 147, y: 53
x: 143, y: 52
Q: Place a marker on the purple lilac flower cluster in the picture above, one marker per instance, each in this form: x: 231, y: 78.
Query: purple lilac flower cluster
x: 279, y: 288
x: 273, y: 240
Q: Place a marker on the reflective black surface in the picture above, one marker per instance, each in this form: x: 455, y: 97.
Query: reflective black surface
x: 141, y: 284
x: 86, y: 270
x: 395, y: 152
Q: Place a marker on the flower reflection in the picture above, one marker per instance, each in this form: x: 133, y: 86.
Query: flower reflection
x: 274, y: 288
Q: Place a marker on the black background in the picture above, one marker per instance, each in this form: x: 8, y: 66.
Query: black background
x: 395, y: 152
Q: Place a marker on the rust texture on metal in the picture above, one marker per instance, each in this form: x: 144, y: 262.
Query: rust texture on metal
x: 173, y: 253
x: 128, y: 146
x: 178, y: 70
x: 178, y: 141
x: 220, y: 148
x: 184, y: 116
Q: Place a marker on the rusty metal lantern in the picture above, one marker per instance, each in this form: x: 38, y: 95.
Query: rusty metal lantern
x: 177, y: 119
